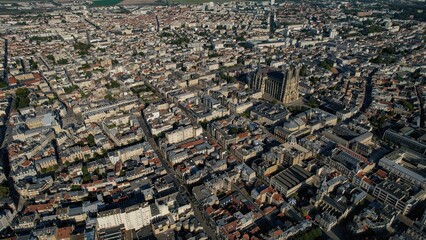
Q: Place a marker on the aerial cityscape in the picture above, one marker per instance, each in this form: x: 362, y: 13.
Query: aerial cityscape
x: 198, y: 119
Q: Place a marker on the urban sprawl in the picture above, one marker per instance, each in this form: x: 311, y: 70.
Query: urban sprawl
x: 235, y: 120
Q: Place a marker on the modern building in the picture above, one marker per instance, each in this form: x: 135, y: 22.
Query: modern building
x: 397, y: 196
x: 405, y: 165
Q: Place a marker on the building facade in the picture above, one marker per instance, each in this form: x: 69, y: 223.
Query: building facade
x: 280, y: 85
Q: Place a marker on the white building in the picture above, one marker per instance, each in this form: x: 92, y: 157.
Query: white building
x: 183, y: 133
x: 134, y: 217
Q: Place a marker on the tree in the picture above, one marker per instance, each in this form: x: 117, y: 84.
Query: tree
x: 312, y: 102
x: 49, y: 169
x: 51, y: 57
x: 233, y: 130
x: 109, y: 97
x: 69, y: 89
x: 62, y: 61
x: 240, y: 39
x: 82, y: 48
x: 86, y: 175
x: 326, y: 64
x: 416, y: 74
x: 165, y: 34
x: 213, y: 55
x: 303, y: 71
x: 41, y: 39
x: 4, y: 190
x: 227, y: 78
x: 91, y: 140
x: 22, y: 99
x: 180, y: 40
x: 34, y: 65
x: 245, y: 114
x: 388, y: 50
x: 112, y: 84
x: 408, y: 105
x: 22, y: 92
x: 240, y: 60
x: 85, y: 65
x: 313, y: 80
x: 372, y: 29
x: 75, y: 187
x: 317, y: 232
x: 88, y: 74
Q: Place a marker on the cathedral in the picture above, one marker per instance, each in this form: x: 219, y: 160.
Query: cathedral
x: 282, y: 85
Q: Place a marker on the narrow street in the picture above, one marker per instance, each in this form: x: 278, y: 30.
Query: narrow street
x: 6, y: 42
x: 368, y: 95
x: 421, y: 104
x: 271, y: 135
x: 6, y: 137
x: 195, y: 123
x: 250, y: 201
x: 182, y: 188
x: 41, y: 58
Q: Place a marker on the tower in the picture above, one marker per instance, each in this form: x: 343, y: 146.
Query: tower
x: 258, y: 82
x: 290, y: 86
x: 280, y: 85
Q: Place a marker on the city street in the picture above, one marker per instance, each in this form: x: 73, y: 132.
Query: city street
x: 182, y: 188
x: 195, y: 123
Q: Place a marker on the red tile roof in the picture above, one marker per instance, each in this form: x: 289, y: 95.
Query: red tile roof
x: 192, y: 144
x: 26, y: 163
x: 367, y: 180
x: 243, y: 135
x: 39, y: 208
x: 278, y: 232
x: 64, y: 232
x: 360, y: 174
x: 12, y: 81
x: 382, y: 173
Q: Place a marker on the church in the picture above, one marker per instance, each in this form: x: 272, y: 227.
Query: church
x: 282, y: 85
